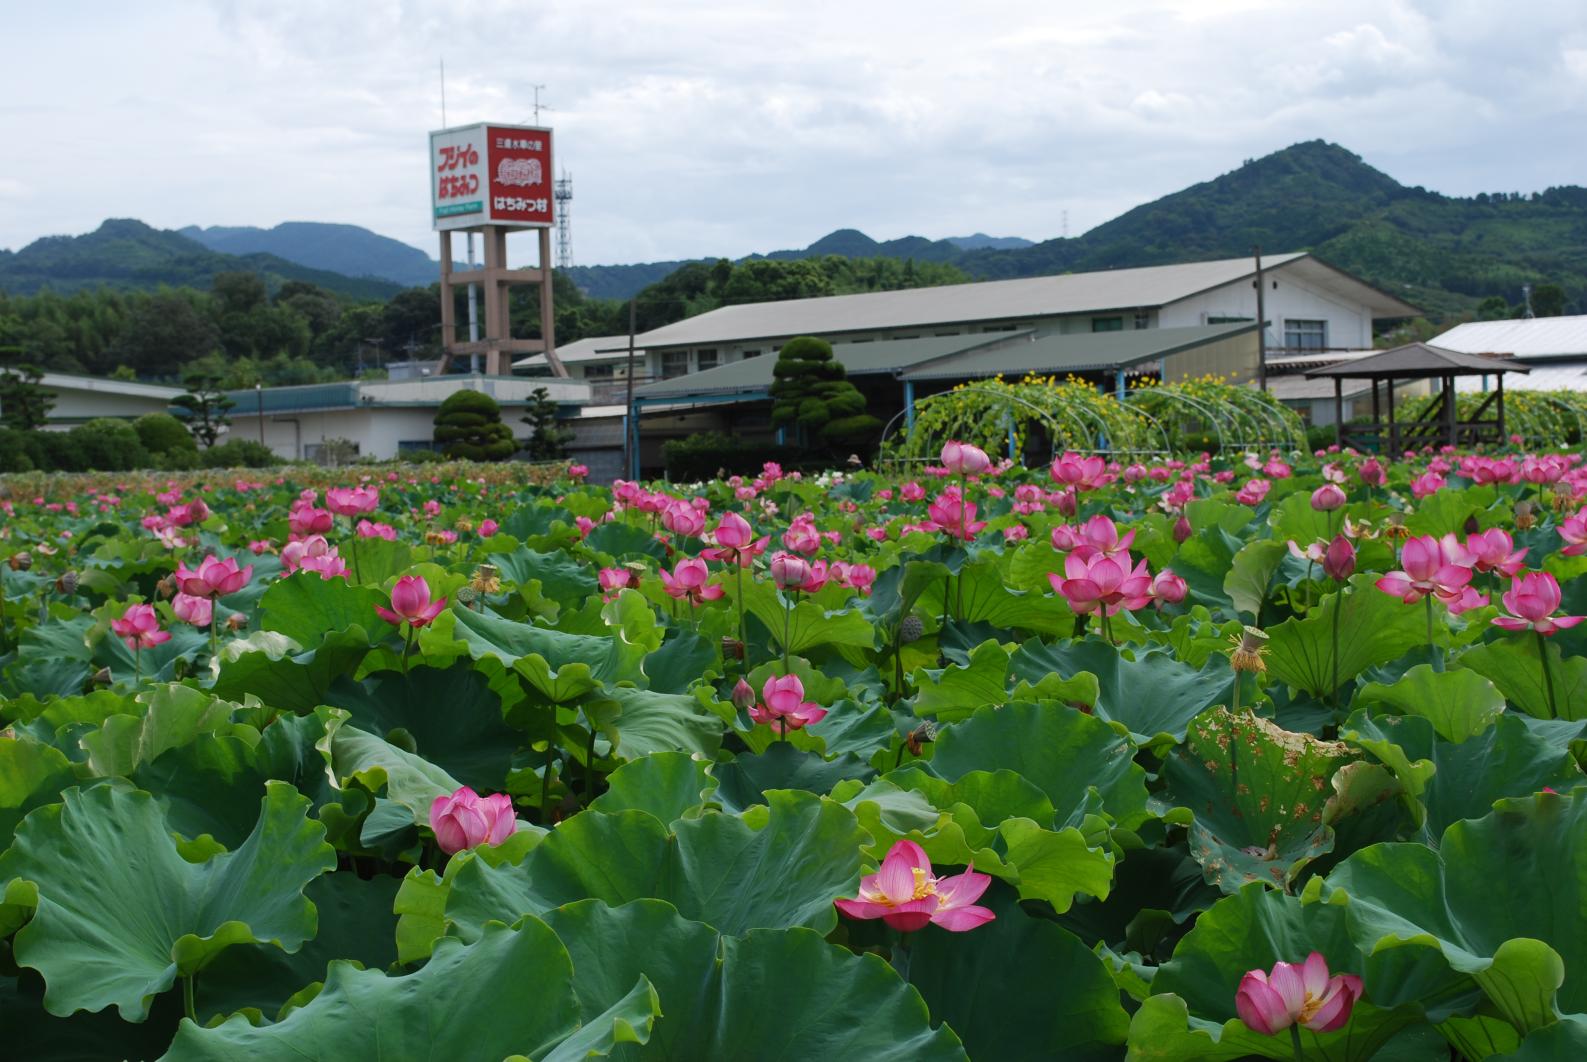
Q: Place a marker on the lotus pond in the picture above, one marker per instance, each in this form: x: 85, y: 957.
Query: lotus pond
x: 1270, y: 756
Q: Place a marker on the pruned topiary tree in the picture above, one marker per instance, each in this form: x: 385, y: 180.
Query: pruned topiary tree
x: 811, y: 393
x: 468, y: 425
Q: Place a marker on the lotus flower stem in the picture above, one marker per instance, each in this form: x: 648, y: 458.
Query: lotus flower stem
x: 743, y: 635
x: 137, y: 665
x: 787, y: 624
x: 1294, y: 1042
x: 213, y: 641
x: 589, y: 768
x: 1339, y: 606
x: 187, y: 998
x: 545, y: 779
x: 1548, y: 674
x: 407, y: 649
x: 1438, y: 664
x: 352, y: 530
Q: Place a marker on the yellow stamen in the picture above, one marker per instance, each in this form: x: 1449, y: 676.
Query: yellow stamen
x: 925, y: 884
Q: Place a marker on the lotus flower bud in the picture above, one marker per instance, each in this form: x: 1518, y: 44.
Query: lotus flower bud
x: 743, y: 696
x: 67, y: 583
x: 21, y: 561
x: 1182, y: 529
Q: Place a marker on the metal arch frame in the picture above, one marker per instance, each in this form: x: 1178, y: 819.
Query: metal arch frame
x: 1212, y: 414
x: 1554, y: 399
x: 1274, y: 417
x: 888, y: 430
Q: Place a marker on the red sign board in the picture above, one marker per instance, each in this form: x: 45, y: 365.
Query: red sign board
x: 491, y: 175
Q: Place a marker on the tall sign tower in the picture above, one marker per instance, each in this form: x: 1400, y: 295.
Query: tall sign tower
x: 564, y: 197
x: 493, y: 179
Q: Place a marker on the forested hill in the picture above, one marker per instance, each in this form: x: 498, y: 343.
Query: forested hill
x: 1440, y: 252
x: 125, y: 254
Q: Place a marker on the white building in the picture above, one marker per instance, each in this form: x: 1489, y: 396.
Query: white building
x: 1310, y: 306
x: 82, y: 398
x: 1554, y: 348
x: 381, y: 418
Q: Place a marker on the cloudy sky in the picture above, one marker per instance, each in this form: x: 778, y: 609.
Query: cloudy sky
x: 695, y: 128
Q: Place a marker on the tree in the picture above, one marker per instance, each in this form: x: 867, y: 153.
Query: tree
x: 24, y: 404
x: 548, y: 440
x: 1548, y: 300
x: 468, y: 425
x: 206, y: 405
x: 1493, y: 308
x: 164, y: 332
x: 811, y: 392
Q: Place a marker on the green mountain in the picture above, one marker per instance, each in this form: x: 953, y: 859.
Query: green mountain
x: 351, y: 250
x: 127, y: 254
x: 1442, y: 253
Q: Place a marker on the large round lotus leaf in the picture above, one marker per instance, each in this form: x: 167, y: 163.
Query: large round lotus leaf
x: 1507, y: 759
x: 770, y: 867
x: 668, y: 785
x: 275, y: 669
x: 772, y: 994
x: 31, y: 774
x: 1191, y: 1014
x: 468, y: 739
x: 1519, y: 947
x: 1564, y: 1039
x: 509, y: 993
x: 121, y: 914
x: 1064, y: 752
x: 1459, y: 704
x: 1019, y: 988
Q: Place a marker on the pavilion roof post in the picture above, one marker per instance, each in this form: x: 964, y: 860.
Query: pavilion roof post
x: 1339, y: 412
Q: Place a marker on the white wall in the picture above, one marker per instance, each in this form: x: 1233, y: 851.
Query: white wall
x: 72, y: 407
x: 1349, y: 324
x: 377, y: 430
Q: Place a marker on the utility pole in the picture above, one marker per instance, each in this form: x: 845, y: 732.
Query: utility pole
x: 631, y: 435
x: 1261, y: 323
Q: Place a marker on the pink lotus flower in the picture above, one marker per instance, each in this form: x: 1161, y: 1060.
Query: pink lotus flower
x: 858, y: 576
x: 213, y: 577
x: 962, y: 459
x: 1327, y: 498
x: 1297, y: 992
x: 411, y: 604
x: 743, y: 695
x: 1427, y: 566
x: 788, y: 571
x: 802, y: 536
x: 954, y: 516
x: 1253, y: 492
x: 911, y: 492
x: 578, y: 472
x: 369, y: 529
x: 139, y: 627
x: 307, y: 520
x: 1312, y: 554
x: 1339, y: 561
x: 351, y: 501
x: 1102, y: 534
x: 735, y: 542
x: 688, y: 579
x: 906, y: 895
x: 615, y: 579
x: 1168, y: 588
x: 1573, y: 529
x: 467, y: 820
x: 1080, y: 473
x: 783, y: 703
x: 1426, y: 484
x: 198, y: 611
x: 1493, y: 550
x: 488, y: 527
x: 1096, y: 581
x: 182, y: 515
x: 1371, y: 472
x: 1532, y: 600
x: 260, y: 546
x: 1182, y: 529
x: 681, y: 518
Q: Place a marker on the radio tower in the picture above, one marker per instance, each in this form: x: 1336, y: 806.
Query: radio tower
x: 563, y: 193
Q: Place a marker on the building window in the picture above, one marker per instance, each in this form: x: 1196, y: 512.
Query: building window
x: 598, y: 372
x: 1226, y: 318
x: 674, y: 363
x: 945, y: 333
x: 409, y: 445
x: 998, y: 328
x: 705, y: 359
x: 1305, y: 335
x: 1143, y: 319
x: 1107, y: 324
x: 749, y: 354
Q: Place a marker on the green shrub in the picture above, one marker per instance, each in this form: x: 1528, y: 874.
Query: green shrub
x: 239, y: 453
x: 701, y: 456
x: 104, y: 444
x: 811, y: 393
x: 468, y: 425
x: 16, y: 451
x: 163, y: 434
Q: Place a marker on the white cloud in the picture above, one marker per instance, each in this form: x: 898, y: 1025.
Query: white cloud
x: 709, y: 127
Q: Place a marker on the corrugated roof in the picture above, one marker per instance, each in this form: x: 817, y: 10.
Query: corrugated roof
x: 1541, y: 337
x: 1078, y: 352
x: 1420, y: 359
x: 1572, y: 377
x: 989, y: 300
x: 590, y: 348
x: 1300, y: 389
x: 859, y: 359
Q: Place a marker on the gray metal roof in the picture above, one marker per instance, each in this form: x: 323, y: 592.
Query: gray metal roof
x: 1420, y: 359
x: 1301, y: 389
x: 1570, y: 376
x: 1078, y: 352
x: 591, y: 348
x: 989, y: 300
x: 1541, y: 337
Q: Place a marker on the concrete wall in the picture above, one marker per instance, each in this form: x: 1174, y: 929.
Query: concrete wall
x: 73, y: 407
x: 377, y: 430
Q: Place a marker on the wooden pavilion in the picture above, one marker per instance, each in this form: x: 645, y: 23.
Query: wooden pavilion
x: 1439, y: 423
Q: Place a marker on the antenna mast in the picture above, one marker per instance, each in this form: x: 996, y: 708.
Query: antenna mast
x: 563, y: 193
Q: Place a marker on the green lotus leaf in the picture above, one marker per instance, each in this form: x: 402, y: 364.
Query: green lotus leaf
x: 559, y: 576
x: 1019, y: 988
x: 167, y: 717
x: 648, y: 721
x: 746, y: 779
x: 1252, y: 568
x: 683, y: 661
x: 1374, y: 628
x: 714, y: 989
x: 981, y: 594
x: 1148, y: 692
x: 468, y: 739
x: 306, y: 608
x: 121, y: 914
x: 508, y: 993
x: 955, y: 692
x: 668, y: 785
x: 1508, y: 759
x: 1459, y: 704
x: 1422, y: 901
x: 1163, y: 1030
x: 280, y: 673
x: 1260, y: 795
x: 1067, y: 754
x: 31, y: 774
x: 1514, y: 666
x: 771, y: 867
x: 809, y: 626
x: 1564, y: 1039
x: 560, y: 667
